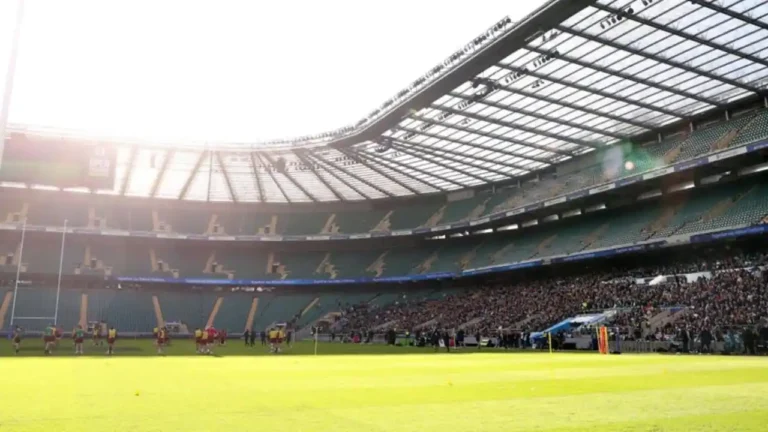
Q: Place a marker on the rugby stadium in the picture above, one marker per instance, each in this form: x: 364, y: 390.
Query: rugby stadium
x: 559, y: 227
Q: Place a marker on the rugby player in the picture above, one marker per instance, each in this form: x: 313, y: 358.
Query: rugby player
x: 198, y: 340
x: 111, y: 336
x: 17, y: 339
x: 49, y: 338
x: 97, y: 335
x: 160, y: 339
x: 78, y: 334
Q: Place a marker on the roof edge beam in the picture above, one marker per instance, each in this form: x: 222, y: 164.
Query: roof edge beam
x: 578, y: 142
x: 131, y: 161
x: 395, y: 166
x: 321, y: 179
x: 523, y: 111
x: 627, y: 77
x: 380, y: 172
x: 589, y: 90
x: 355, y: 176
x: 268, y: 169
x: 291, y: 179
x: 681, y: 34
x: 412, y: 153
x: 324, y: 164
x: 226, y: 177
x: 452, y: 157
x: 492, y: 136
x: 509, y: 164
x: 725, y: 11
x: 192, y: 174
x: 256, y: 178
x: 657, y: 59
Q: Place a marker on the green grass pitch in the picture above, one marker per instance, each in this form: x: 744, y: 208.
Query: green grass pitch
x: 386, y: 389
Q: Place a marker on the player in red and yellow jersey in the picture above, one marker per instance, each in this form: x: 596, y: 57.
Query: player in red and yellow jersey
x: 204, y: 348
x: 198, y: 339
x: 97, y: 334
x: 161, y: 338
x: 111, y: 337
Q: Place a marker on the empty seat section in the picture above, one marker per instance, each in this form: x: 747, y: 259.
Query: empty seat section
x: 302, y: 223
x: 302, y: 265
x: 353, y: 264
x: 190, y: 220
x: 127, y: 310
x: 352, y: 222
x: 35, y: 302
x: 755, y: 130
x: 627, y: 228
x: 403, y: 261
x: 244, y: 263
x: 412, y: 216
x: 233, y: 312
x: 279, y: 308
x: 191, y: 308
x: 53, y: 213
x: 456, y: 211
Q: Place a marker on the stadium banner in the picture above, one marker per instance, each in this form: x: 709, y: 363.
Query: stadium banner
x: 728, y: 154
x: 609, y: 252
x: 479, y: 221
x: 690, y: 164
x: 502, y: 267
x: 577, y: 195
x: 659, y: 173
x: 603, y: 188
x: 628, y: 181
x: 555, y: 201
x: 532, y: 207
x: 757, y: 229
x: 277, y: 282
x: 757, y: 146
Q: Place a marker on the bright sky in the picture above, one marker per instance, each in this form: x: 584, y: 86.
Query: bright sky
x: 227, y: 70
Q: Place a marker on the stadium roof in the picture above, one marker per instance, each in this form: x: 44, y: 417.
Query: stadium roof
x: 574, y: 76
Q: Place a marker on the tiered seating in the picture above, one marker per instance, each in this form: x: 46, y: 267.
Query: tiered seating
x: 245, y: 263
x: 412, y: 216
x: 191, y: 308
x: 353, y: 264
x: 630, y: 228
x: 279, y: 308
x: 570, y: 236
x: 332, y: 302
x: 303, y: 265
x: 54, y: 214
x: 43, y: 256
x: 701, y: 140
x: 192, y: 221
x: 456, y: 211
x: 401, y: 262
x: 744, y: 206
x: 691, y: 210
x: 358, y: 221
x: 302, y: 223
x: 35, y: 302
x: 755, y: 130
x: 127, y: 310
x: 233, y: 312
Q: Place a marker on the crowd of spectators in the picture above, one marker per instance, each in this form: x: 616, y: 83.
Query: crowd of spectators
x: 733, y: 298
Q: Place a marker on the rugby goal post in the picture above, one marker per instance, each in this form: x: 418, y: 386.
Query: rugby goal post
x: 55, y: 318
